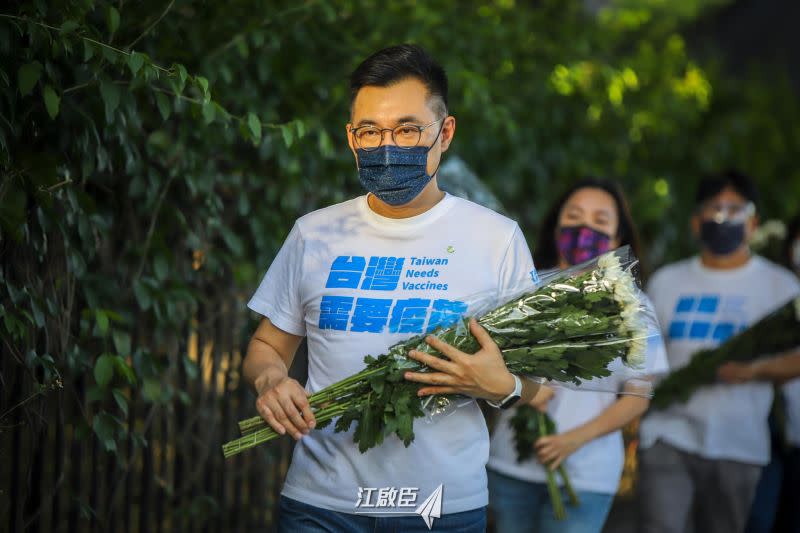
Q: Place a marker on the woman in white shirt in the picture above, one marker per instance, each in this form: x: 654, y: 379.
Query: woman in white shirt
x: 591, y: 218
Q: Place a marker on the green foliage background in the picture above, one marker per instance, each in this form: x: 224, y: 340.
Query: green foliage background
x: 154, y: 155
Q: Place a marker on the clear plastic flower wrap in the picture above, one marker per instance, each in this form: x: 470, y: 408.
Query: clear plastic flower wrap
x: 584, y: 327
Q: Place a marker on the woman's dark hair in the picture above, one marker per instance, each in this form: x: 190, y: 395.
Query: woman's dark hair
x: 396, y: 63
x: 546, y: 250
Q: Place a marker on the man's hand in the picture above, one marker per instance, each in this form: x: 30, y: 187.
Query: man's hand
x: 480, y: 375
x: 542, y: 398
x: 553, y: 449
x: 284, y: 405
x: 733, y: 372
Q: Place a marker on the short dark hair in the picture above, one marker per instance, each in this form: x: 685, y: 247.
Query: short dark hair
x: 546, y: 250
x: 396, y: 63
x: 712, y: 185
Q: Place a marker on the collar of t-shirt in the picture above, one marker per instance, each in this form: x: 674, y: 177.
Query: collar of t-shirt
x: 405, y: 225
x: 724, y: 274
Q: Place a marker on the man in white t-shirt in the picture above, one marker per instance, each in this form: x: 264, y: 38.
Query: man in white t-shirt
x: 701, y: 461
x: 356, y: 278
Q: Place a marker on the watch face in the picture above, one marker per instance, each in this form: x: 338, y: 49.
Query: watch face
x: 510, y: 401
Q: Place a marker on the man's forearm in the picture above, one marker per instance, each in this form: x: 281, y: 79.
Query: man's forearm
x: 615, y: 416
x: 777, y: 369
x: 263, y: 366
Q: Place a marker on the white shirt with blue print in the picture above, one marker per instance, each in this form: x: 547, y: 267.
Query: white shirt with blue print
x: 355, y: 283
x: 700, y: 308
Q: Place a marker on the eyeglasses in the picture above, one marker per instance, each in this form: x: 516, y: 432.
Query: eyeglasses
x: 720, y: 212
x: 404, y: 136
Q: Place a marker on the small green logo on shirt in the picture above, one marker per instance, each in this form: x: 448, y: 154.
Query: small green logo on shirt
x: 450, y: 249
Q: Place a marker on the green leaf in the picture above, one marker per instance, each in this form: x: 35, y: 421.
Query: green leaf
x: 51, y: 101
x: 254, y: 126
x: 135, y: 62
x: 102, y: 321
x: 95, y: 394
x: 88, y: 51
x: 121, y: 400
x: 69, y: 26
x: 151, y: 390
x: 38, y: 315
x: 185, y: 399
x: 111, y: 95
x: 191, y: 368
x: 234, y: 242
x: 142, y: 294
x: 105, y: 427
x: 164, y: 106
x: 27, y: 77
x: 112, y: 19
x: 104, y: 369
x: 125, y: 370
x: 182, y: 75
x: 159, y: 139
x: 286, y: 131
x: 377, y: 383
x: 122, y: 342
x: 109, y: 54
x: 160, y: 267
x: 203, y: 84
x: 208, y: 112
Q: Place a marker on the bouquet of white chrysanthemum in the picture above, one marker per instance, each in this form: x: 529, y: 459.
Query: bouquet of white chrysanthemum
x: 568, y: 329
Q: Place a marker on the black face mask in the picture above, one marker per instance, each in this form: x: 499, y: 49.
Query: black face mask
x: 722, y: 238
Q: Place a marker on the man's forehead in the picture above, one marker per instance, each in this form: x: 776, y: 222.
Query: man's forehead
x: 728, y: 195
x: 406, y: 100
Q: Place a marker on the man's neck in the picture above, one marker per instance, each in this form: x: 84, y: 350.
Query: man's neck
x: 736, y: 259
x: 425, y: 200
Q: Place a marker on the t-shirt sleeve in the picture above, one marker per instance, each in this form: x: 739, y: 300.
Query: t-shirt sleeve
x: 658, y: 292
x: 278, y: 296
x: 517, y: 270
x: 656, y: 355
x: 789, y: 285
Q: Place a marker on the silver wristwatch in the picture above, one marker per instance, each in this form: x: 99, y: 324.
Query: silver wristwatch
x: 512, y: 398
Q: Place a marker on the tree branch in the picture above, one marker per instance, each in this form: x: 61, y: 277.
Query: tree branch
x: 147, y: 30
x: 152, y: 227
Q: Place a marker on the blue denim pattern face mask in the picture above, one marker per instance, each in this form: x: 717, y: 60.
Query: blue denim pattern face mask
x: 395, y: 175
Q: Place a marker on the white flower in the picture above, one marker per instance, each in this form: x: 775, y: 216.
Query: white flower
x: 769, y: 230
x: 609, y: 264
x: 608, y: 260
x: 636, y: 351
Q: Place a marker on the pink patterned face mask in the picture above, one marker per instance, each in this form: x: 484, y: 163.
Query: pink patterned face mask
x: 577, y: 244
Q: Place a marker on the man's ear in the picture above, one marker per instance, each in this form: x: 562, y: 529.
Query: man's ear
x: 694, y: 223
x: 752, y: 225
x: 350, y: 140
x: 448, y: 131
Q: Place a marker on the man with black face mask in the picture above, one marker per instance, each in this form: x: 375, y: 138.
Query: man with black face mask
x: 701, y: 461
x: 359, y: 276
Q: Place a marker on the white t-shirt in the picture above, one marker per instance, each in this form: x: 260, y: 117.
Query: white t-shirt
x: 699, y: 308
x: 355, y: 283
x: 597, y: 465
